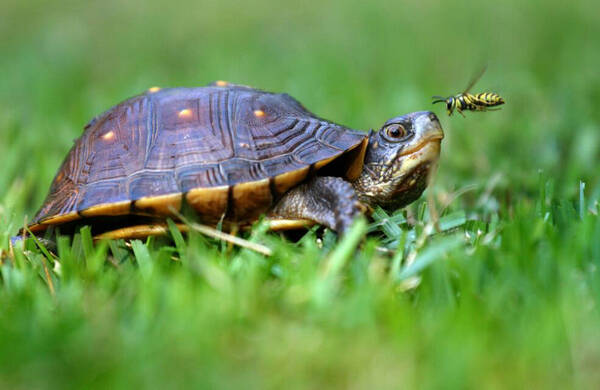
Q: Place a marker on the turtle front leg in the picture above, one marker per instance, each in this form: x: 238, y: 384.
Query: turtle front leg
x: 330, y: 201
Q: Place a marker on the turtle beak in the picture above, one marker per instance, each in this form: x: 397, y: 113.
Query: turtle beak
x: 427, y: 132
x: 427, y: 126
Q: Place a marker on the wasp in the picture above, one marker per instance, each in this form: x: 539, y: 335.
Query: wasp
x: 473, y: 102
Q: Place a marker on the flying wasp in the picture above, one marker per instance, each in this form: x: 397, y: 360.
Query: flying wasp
x: 467, y: 101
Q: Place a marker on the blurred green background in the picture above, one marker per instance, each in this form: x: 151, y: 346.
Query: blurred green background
x: 357, y: 63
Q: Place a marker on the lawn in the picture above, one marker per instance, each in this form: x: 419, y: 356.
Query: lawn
x: 505, y: 295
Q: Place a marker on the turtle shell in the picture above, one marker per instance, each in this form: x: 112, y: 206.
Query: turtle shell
x: 224, y: 150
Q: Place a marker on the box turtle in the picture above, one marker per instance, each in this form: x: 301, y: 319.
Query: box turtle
x: 232, y: 153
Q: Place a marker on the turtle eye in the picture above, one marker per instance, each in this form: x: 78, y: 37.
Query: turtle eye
x: 395, y: 132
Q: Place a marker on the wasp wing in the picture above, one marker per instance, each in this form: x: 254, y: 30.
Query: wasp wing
x: 475, y: 78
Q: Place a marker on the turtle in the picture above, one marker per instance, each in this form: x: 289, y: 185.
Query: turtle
x: 229, y: 152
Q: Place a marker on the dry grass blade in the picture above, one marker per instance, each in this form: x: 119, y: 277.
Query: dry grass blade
x: 48, y: 277
x: 9, y: 254
x: 219, y: 235
x: 450, y: 198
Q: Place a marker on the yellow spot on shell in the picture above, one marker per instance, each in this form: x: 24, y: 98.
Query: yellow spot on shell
x: 154, y: 89
x: 185, y: 113
x: 221, y: 83
x: 109, y: 136
x: 259, y: 113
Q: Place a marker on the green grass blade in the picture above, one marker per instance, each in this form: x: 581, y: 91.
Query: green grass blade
x: 434, y: 252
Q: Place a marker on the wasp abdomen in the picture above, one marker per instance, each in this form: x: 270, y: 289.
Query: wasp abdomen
x: 488, y: 99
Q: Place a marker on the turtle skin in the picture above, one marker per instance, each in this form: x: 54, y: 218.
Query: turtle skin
x: 226, y: 151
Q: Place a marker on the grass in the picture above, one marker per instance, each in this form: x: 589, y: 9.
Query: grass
x: 506, y: 296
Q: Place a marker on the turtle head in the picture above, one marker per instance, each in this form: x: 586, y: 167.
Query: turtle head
x: 399, y: 159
